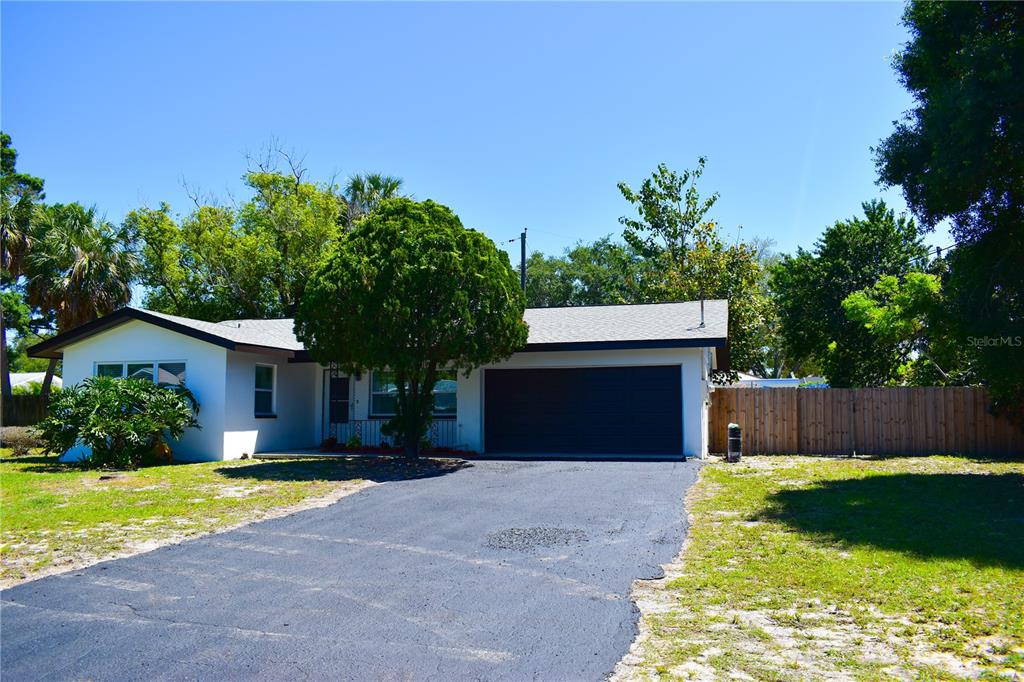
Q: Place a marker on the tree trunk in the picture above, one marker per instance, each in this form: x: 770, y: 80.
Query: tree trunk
x: 48, y: 379
x: 5, y: 374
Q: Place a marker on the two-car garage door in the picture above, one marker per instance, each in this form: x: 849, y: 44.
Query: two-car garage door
x: 584, y: 410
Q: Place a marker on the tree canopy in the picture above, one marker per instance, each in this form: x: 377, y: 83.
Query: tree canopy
x: 959, y: 156
x: 909, y: 313
x: 252, y: 260
x: 810, y: 287
x: 599, y: 273
x: 411, y: 290
x: 673, y: 230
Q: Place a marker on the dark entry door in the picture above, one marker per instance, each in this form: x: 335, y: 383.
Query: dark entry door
x: 586, y: 410
x: 338, y: 400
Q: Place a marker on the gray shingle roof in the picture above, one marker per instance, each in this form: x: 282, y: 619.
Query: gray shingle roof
x: 579, y: 324
x: 614, y: 323
x: 270, y: 333
x: 644, y: 325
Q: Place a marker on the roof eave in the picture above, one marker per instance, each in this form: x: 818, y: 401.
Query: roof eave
x: 639, y: 344
x: 53, y: 347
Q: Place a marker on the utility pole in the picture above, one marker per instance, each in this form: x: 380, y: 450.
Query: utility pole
x: 522, y: 260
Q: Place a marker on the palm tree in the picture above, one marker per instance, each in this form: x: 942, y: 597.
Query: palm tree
x: 18, y: 193
x: 79, y: 268
x: 362, y: 193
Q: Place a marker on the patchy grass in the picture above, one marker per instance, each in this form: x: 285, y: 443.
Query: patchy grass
x: 813, y: 568
x: 55, y: 517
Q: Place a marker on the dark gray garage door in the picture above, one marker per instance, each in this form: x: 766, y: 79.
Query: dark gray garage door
x: 599, y: 410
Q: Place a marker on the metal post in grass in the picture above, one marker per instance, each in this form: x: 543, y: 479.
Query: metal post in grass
x: 735, y: 443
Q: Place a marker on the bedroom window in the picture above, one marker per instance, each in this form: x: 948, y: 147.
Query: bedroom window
x: 110, y: 369
x: 164, y: 373
x: 384, y: 394
x: 264, y: 399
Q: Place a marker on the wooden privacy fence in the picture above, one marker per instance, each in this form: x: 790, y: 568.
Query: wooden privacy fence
x: 833, y: 421
x: 23, y: 410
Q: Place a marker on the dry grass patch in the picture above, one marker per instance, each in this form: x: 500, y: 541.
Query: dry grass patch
x: 808, y: 568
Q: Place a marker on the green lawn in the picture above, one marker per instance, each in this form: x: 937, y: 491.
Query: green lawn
x: 55, y: 516
x: 812, y: 568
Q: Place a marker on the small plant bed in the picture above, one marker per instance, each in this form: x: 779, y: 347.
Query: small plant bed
x: 56, y: 516
x: 354, y: 448
x: 800, y: 568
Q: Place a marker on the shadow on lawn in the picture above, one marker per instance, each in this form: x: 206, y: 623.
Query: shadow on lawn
x: 41, y: 464
x: 378, y: 469
x: 955, y: 516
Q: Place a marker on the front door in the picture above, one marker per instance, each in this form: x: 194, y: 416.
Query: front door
x: 337, y: 400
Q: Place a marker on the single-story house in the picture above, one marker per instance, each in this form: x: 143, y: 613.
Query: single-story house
x: 613, y: 380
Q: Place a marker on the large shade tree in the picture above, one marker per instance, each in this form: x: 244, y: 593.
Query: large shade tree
x: 251, y: 260
x: 810, y: 286
x: 958, y: 154
x: 411, y: 290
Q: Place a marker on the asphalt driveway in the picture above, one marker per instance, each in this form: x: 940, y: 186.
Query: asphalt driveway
x: 501, y: 571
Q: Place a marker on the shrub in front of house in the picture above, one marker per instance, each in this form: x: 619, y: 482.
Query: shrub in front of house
x: 33, y: 388
x: 124, y: 422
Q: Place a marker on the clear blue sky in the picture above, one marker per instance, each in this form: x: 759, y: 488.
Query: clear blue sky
x: 515, y: 115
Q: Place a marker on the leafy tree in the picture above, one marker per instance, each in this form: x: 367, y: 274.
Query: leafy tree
x: 590, y: 274
x: 673, y: 231
x: 122, y: 421
x: 19, y: 193
x: 221, y: 262
x: 440, y: 297
x: 28, y: 329
x: 908, y: 313
x: 79, y: 268
x: 959, y: 155
x: 810, y: 288
x: 206, y: 267
x: 548, y: 281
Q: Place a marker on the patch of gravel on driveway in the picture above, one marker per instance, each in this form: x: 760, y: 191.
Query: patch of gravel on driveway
x: 525, y: 539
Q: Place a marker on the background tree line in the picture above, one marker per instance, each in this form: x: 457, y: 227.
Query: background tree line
x: 64, y: 265
x: 867, y: 305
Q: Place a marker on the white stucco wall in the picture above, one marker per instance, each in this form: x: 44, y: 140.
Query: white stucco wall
x: 691, y: 362
x: 297, y: 393
x: 137, y: 341
x: 224, y: 382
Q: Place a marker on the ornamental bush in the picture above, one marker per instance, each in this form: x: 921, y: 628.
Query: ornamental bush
x: 122, y: 421
x: 20, y: 439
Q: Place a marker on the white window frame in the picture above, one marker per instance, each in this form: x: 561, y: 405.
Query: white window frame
x: 384, y: 415
x: 154, y: 364
x: 272, y: 390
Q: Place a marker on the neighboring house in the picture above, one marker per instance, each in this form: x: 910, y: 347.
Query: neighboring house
x: 26, y: 378
x: 750, y: 381
x: 612, y: 380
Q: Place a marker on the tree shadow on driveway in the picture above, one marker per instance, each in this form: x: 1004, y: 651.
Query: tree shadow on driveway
x: 378, y: 469
x: 955, y: 516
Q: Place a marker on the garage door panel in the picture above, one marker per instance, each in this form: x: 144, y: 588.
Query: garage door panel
x: 605, y: 410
